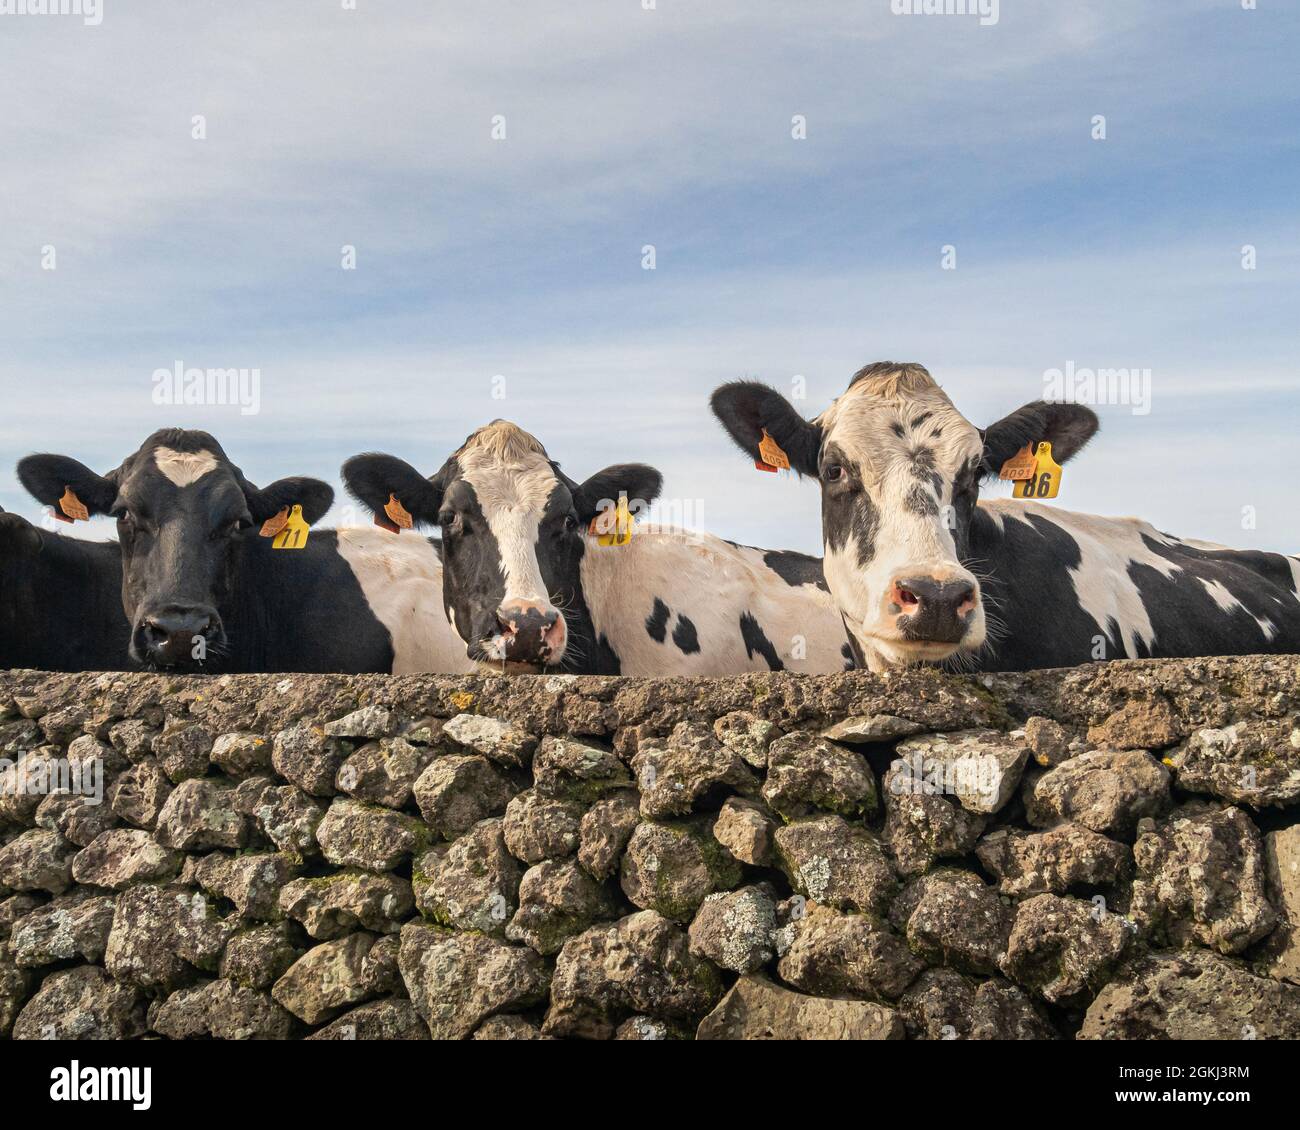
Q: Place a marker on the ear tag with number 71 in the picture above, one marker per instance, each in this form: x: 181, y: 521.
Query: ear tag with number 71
x: 293, y: 534
x: 1046, y: 481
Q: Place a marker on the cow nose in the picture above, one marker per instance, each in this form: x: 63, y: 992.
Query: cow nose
x: 530, y: 632
x: 178, y: 635
x: 933, y: 610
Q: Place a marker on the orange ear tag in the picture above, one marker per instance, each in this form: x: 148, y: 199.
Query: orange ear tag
x: 770, y: 455
x: 274, y: 524
x: 1020, y: 467
x: 398, y: 514
x: 71, y: 508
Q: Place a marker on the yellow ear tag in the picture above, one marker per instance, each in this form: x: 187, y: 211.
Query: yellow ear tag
x: 294, y: 534
x: 770, y: 455
x: 614, y: 524
x: 72, y: 508
x: 1046, y: 482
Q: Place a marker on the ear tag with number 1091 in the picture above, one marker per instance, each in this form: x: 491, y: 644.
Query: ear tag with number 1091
x: 1046, y: 482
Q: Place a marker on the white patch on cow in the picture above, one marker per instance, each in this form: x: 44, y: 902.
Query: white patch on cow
x: 712, y: 583
x: 1108, y: 547
x: 864, y: 424
x: 182, y: 468
x: 401, y: 579
x: 512, y: 479
x: 1221, y: 596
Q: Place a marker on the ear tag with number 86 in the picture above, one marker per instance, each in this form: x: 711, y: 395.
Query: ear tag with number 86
x: 1046, y: 481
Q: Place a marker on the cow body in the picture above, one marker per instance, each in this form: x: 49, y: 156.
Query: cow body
x: 676, y: 602
x: 529, y: 586
x: 354, y: 600
x: 1064, y: 588
x: 60, y: 601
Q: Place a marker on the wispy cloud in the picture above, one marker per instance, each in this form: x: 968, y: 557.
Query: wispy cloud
x: 521, y: 258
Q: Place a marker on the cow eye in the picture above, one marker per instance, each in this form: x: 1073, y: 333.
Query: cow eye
x: 450, y: 522
x: 833, y: 473
x: 570, y: 522
x: 237, y: 526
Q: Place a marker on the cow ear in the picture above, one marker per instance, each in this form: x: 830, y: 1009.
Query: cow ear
x: 1067, y: 427
x: 46, y: 477
x: 747, y: 409
x: 640, y: 483
x: 371, y: 478
x: 314, y: 496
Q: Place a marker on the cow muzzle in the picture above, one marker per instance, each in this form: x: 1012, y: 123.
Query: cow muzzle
x: 177, y: 636
x: 529, y: 633
x: 931, y: 614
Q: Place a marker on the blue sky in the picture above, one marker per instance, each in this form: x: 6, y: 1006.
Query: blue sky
x: 521, y: 257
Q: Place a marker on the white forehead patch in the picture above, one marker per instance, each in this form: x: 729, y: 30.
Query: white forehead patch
x: 183, y: 467
x: 863, y: 420
x: 507, y: 468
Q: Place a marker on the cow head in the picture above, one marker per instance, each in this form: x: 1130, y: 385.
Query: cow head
x: 900, y: 470
x: 514, y: 530
x: 183, y: 510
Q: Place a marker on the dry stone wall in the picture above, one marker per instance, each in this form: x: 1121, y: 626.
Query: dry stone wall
x: 1105, y: 852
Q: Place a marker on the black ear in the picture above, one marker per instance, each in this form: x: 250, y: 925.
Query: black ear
x: 1067, y: 427
x: 371, y: 478
x: 747, y: 409
x: 46, y: 477
x: 314, y: 496
x: 640, y: 483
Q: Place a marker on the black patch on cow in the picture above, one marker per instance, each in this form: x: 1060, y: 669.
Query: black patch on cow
x: 656, y: 624
x: 685, y: 636
x: 1035, y: 619
x: 847, y: 652
x: 921, y: 502
x: 1038, y: 622
x: 757, y: 643
x: 607, y: 660
x: 1187, y: 620
x: 796, y: 568
x: 898, y: 429
x: 847, y: 510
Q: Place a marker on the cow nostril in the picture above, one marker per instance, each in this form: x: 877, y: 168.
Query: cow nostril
x: 907, y: 598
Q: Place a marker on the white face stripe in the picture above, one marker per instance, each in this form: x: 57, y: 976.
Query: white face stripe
x: 182, y: 468
x: 513, y: 499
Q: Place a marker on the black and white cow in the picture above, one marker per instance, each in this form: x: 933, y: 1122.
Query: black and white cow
x: 60, y: 601
x: 921, y: 571
x: 203, y: 591
x: 529, y: 588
